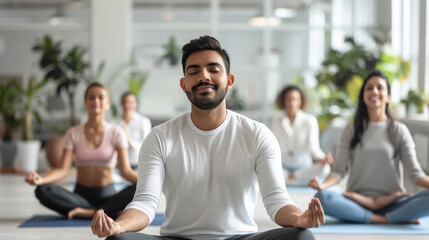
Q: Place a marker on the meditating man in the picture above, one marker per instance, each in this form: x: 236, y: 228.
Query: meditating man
x: 210, y: 164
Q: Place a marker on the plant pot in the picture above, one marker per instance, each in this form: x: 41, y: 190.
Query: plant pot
x: 28, y: 155
x: 173, y: 60
x: 54, y: 150
x: 8, y: 152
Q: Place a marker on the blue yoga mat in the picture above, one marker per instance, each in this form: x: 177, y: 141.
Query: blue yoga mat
x: 333, y: 226
x: 60, y: 221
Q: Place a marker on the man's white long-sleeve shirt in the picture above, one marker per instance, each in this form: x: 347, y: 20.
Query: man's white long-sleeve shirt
x: 211, y: 178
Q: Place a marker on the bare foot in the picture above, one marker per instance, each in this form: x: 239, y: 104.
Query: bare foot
x: 414, y: 222
x: 375, y: 218
x: 81, y: 213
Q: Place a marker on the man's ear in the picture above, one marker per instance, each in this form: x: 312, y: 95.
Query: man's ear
x: 182, y: 84
x: 230, y: 79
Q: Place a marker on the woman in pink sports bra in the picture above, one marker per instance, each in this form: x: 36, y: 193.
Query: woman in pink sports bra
x: 97, y: 146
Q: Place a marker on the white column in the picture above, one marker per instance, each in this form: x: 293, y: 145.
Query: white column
x: 110, y: 35
x: 340, y: 21
x: 214, y: 12
x: 316, y: 41
x: 423, y: 79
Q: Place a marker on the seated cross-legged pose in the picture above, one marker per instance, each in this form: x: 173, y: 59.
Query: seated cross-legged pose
x: 94, y: 146
x: 373, y: 149
x: 298, y: 136
x: 210, y: 164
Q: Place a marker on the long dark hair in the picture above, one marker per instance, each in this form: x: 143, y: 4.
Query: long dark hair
x: 361, y: 117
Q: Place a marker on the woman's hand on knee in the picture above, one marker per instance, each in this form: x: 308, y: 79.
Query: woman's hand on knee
x: 103, y: 226
x: 328, y: 159
x: 33, y: 178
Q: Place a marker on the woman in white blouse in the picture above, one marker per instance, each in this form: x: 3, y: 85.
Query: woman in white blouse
x: 298, y: 135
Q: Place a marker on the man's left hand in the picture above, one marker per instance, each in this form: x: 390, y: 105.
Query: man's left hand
x: 312, y: 217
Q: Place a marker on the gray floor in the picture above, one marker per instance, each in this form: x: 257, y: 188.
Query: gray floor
x: 17, y: 203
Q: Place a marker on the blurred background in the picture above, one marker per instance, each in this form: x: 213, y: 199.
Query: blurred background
x: 51, y: 49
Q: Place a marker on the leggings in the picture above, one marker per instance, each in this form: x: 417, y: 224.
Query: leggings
x: 275, y: 234
x: 403, y: 210
x: 62, y: 201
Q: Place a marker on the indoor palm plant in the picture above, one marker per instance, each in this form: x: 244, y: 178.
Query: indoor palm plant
x: 66, y: 68
x: 416, y: 99
x: 30, y: 97
x: 171, y: 51
x: 129, y: 72
x: 342, y: 73
x: 9, y: 97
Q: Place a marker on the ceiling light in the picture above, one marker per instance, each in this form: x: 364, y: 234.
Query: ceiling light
x: 263, y: 21
x: 60, y: 16
x: 285, y: 13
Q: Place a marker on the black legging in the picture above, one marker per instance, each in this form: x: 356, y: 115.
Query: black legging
x: 274, y: 234
x: 62, y: 201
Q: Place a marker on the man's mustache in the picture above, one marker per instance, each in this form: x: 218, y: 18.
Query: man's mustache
x: 194, y: 88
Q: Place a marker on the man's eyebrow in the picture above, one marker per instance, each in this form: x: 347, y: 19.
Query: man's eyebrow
x: 208, y: 64
x: 214, y: 64
x: 192, y: 66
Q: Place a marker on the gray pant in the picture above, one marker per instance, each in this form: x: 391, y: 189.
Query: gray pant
x: 275, y: 234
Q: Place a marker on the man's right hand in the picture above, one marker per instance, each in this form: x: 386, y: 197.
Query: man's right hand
x: 103, y: 226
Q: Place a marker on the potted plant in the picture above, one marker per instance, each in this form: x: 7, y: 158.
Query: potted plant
x: 234, y: 101
x: 28, y: 149
x: 172, y: 51
x: 9, y: 96
x: 135, y: 78
x: 67, y: 69
x: 342, y: 73
x: 415, y: 99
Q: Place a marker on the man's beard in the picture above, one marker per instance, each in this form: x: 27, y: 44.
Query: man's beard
x: 205, y: 103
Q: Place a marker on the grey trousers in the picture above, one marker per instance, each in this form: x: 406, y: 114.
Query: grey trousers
x: 287, y: 233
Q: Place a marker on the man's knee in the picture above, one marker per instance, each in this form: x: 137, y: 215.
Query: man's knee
x: 288, y: 233
x: 117, y: 237
x: 300, y: 234
x: 132, y: 236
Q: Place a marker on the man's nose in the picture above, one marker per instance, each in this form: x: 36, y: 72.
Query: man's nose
x: 204, y: 76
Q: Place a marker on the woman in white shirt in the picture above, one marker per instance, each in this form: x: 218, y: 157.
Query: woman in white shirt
x: 298, y: 135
